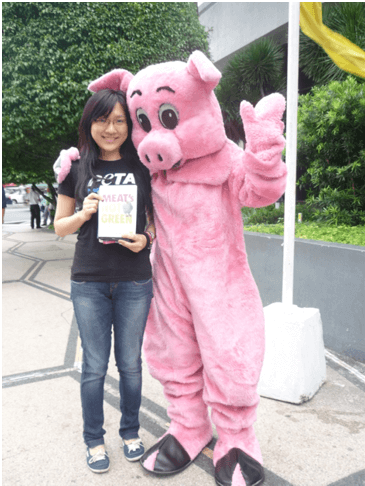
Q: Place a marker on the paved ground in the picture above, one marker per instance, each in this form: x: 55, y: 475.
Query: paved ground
x: 17, y: 213
x: 318, y: 443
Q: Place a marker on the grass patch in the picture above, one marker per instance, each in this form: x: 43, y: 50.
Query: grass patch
x: 271, y: 220
x: 351, y: 235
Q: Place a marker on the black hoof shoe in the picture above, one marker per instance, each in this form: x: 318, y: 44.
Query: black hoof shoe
x: 252, y: 471
x: 171, y: 459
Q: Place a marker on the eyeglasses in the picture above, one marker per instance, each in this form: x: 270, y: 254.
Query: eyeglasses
x: 105, y: 121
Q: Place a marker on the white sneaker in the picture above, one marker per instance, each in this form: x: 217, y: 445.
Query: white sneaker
x: 97, y: 459
x: 133, y: 449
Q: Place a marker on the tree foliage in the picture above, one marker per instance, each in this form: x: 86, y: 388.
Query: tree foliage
x: 52, y: 50
x: 250, y: 75
x: 331, y: 145
x: 345, y: 18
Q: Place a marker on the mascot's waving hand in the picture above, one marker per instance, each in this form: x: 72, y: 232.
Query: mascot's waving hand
x: 205, y: 333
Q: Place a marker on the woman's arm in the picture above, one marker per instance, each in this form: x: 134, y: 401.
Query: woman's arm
x: 66, y: 220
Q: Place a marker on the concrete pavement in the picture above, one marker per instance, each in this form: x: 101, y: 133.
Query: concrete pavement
x: 318, y: 443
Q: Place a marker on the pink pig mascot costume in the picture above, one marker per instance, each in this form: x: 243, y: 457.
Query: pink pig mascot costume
x: 204, y: 338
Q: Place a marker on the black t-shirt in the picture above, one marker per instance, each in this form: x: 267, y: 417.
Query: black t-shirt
x: 93, y: 260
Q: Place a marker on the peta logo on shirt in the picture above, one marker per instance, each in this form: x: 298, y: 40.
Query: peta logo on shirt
x: 114, y: 179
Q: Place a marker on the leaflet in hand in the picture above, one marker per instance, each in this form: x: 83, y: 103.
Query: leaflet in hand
x: 117, y: 214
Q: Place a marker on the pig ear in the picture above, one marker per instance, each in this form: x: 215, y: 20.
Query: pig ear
x: 200, y: 67
x: 118, y: 79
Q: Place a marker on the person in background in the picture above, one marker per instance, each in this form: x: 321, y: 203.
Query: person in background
x: 35, y: 211
x: 4, y: 204
x: 111, y: 282
x: 47, y: 209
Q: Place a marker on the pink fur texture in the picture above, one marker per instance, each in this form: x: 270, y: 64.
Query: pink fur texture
x: 118, y: 79
x: 245, y: 439
x: 149, y: 463
x: 62, y: 166
x: 237, y: 479
x: 204, y: 338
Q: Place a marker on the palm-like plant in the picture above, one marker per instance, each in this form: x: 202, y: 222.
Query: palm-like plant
x: 250, y: 75
x: 345, y: 18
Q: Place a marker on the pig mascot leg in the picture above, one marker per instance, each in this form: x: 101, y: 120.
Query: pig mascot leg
x: 205, y: 345
x: 174, y: 359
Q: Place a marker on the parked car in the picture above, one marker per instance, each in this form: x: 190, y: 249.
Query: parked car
x: 17, y: 195
x: 8, y: 192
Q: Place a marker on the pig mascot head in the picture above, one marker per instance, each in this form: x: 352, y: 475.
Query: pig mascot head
x: 175, y: 113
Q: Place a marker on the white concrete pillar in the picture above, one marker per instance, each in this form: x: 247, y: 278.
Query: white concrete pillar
x: 294, y: 365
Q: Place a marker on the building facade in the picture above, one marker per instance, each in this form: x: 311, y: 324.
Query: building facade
x: 233, y: 26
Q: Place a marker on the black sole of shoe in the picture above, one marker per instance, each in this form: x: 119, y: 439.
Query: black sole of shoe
x: 157, y: 473
x: 260, y: 481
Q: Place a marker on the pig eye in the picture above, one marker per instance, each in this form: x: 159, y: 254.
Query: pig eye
x: 168, y: 115
x: 143, y: 120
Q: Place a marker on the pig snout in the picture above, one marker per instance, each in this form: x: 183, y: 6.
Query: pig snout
x: 160, y: 151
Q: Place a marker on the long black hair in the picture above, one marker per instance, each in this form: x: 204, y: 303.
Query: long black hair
x: 101, y: 104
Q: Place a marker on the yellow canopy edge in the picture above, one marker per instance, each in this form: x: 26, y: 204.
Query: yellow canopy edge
x: 346, y: 55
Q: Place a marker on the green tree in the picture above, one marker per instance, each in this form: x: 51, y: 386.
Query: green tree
x: 345, y: 18
x: 52, y: 50
x: 331, y: 145
x: 250, y: 75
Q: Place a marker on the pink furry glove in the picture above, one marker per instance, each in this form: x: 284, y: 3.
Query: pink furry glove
x: 262, y: 124
x: 62, y: 166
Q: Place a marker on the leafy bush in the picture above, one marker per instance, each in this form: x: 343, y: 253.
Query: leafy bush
x: 250, y: 75
x: 352, y: 235
x: 271, y: 215
x: 331, y: 145
x: 52, y: 50
x: 267, y: 215
x: 271, y: 220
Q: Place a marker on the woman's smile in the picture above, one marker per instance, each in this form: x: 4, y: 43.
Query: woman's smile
x: 110, y: 132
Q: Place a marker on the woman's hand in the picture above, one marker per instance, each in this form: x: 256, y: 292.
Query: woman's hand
x: 138, y: 243
x: 90, y: 205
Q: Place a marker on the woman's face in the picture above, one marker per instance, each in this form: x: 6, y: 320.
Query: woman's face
x: 109, y: 133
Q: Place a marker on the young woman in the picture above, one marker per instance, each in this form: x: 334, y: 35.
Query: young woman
x: 111, y: 284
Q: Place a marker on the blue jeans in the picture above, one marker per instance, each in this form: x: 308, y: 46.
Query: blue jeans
x: 98, y: 307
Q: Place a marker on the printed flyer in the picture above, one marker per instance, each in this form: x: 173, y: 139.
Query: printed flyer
x: 117, y: 213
